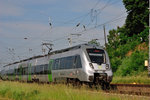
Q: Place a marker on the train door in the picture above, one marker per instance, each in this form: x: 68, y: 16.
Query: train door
x: 29, y: 71
x: 50, y: 70
x: 20, y: 72
x: 14, y: 74
x: 78, y: 67
x: 74, y: 65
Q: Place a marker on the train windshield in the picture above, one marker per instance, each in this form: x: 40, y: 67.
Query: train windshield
x: 96, y: 56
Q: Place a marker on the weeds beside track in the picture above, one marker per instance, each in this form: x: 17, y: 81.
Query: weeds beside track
x: 34, y: 91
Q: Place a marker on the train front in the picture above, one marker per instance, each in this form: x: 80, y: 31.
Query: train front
x: 99, y: 66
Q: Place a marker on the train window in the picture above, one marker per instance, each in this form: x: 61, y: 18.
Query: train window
x: 42, y: 69
x: 56, y: 64
x: 70, y: 61
x: 7, y: 72
x: 18, y: 71
x: 10, y: 72
x: 39, y: 69
x: 53, y: 66
x: 32, y: 70
x: 67, y: 63
x: 45, y: 69
x: 36, y: 69
x: 15, y: 71
x: 23, y: 71
x: 63, y: 63
x: 78, y: 62
x: 96, y: 55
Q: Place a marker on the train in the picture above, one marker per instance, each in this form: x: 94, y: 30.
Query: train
x: 84, y: 63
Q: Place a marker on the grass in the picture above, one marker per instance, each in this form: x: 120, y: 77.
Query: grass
x: 26, y: 91
x: 141, y: 78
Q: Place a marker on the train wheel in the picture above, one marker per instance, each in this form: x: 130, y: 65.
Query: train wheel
x: 90, y: 85
x: 68, y: 82
x: 78, y: 83
x: 74, y: 83
x: 105, y: 86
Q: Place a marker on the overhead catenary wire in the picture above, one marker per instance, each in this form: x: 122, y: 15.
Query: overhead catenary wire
x: 85, y: 15
x: 98, y: 11
x: 95, y: 17
x: 98, y: 1
x: 110, y: 21
x: 83, y: 32
x: 100, y: 25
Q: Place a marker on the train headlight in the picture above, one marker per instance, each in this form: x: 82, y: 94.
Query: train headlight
x: 107, y: 66
x: 91, y: 65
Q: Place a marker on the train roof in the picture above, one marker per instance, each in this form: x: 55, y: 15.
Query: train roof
x: 54, y: 52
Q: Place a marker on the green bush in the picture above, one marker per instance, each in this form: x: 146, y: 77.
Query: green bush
x: 132, y: 65
x: 115, y: 62
x: 118, y: 55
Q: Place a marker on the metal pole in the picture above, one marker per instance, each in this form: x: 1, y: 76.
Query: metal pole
x: 104, y: 35
x: 149, y: 41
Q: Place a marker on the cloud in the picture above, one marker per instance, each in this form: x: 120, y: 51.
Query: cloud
x: 21, y: 27
x: 35, y: 33
x: 38, y: 33
x: 17, y: 26
x: 8, y: 9
x: 113, y: 10
x: 82, y: 5
x: 87, y: 5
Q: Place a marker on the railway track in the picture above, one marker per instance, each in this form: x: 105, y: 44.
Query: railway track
x: 131, y: 89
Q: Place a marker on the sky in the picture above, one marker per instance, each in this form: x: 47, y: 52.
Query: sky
x: 25, y: 24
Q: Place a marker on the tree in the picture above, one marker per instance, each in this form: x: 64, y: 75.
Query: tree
x: 138, y: 16
x: 94, y: 41
x: 122, y: 41
x: 113, y: 39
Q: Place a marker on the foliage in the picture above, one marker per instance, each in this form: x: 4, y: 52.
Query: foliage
x: 113, y: 38
x: 141, y: 78
x: 132, y: 65
x: 94, y: 42
x: 24, y: 91
x: 117, y: 55
x: 123, y: 42
x: 137, y: 17
x: 144, y: 35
